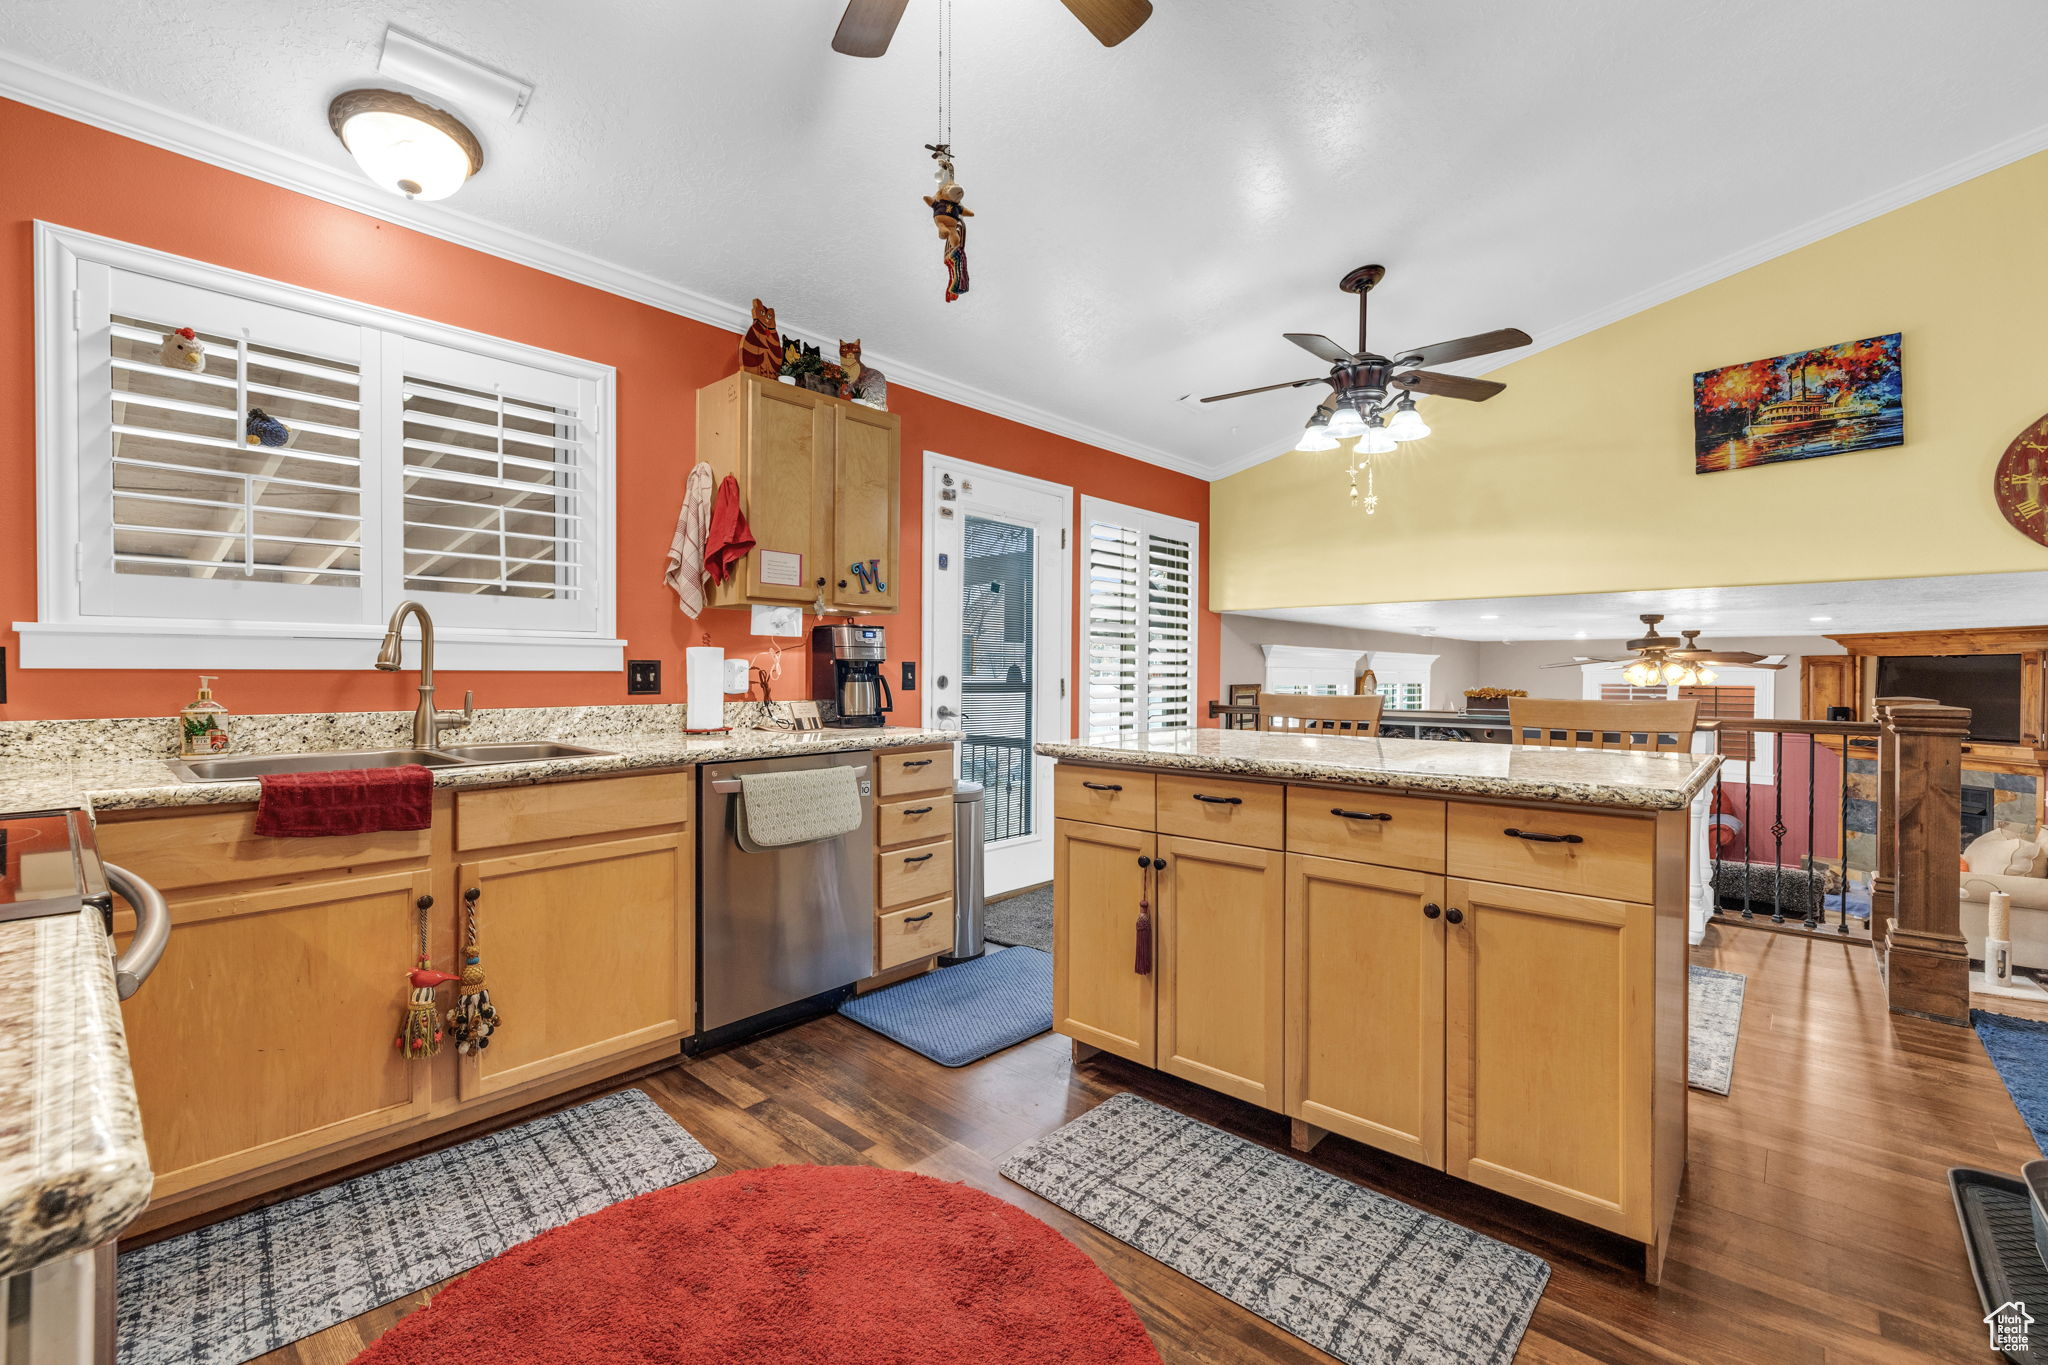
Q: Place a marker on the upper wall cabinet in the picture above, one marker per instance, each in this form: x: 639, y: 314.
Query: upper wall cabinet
x: 819, y: 481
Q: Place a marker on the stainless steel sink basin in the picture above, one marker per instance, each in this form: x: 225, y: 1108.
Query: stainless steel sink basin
x: 244, y: 768
x: 524, y: 751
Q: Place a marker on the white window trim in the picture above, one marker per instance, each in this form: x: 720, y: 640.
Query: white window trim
x: 1140, y: 519
x: 1394, y: 667
x: 1755, y: 772
x: 62, y: 636
x: 1339, y: 666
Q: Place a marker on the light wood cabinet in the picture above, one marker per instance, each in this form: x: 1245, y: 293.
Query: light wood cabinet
x: 914, y: 918
x: 1365, y: 1004
x: 1099, y: 887
x: 1221, y: 916
x: 1550, y: 1032
x: 819, y: 479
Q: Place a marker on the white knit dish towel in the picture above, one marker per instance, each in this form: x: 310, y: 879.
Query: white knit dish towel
x: 686, y: 549
x: 797, y: 806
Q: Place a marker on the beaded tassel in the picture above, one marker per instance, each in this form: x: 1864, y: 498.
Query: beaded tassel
x: 474, y: 1019
x: 419, y: 1028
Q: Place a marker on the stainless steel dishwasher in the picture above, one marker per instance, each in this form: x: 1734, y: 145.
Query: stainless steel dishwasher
x: 778, y: 930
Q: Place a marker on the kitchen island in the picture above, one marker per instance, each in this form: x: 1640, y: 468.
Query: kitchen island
x: 1472, y: 956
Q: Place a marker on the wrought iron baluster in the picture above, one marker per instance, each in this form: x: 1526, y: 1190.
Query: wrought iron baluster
x: 1778, y: 830
x: 1815, y: 906
x: 1843, y: 756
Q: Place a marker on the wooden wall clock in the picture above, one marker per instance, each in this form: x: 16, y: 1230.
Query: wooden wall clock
x: 2021, y: 483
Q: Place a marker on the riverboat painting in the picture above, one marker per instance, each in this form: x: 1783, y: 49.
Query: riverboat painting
x: 1832, y: 400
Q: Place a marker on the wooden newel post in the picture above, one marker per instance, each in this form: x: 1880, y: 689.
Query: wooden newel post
x: 1913, y: 906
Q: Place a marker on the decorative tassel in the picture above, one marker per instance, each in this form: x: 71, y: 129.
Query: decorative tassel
x: 474, y: 1019
x: 1143, y: 966
x: 419, y: 1028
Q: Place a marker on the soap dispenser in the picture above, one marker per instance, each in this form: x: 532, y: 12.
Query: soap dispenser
x: 203, y: 724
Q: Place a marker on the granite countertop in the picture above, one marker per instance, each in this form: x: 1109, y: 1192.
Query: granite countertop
x: 1591, y: 777
x: 73, y: 1169
x: 131, y: 781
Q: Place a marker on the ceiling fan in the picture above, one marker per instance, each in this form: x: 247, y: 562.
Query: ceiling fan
x: 1360, y: 381
x: 1656, y: 657
x: 867, y: 25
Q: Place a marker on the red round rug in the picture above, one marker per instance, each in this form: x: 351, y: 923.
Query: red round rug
x: 843, y: 1264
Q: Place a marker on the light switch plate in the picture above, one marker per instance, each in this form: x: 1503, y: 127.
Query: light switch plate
x: 643, y: 678
x: 778, y: 621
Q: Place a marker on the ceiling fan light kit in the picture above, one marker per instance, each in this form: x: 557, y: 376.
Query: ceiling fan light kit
x: 1657, y: 659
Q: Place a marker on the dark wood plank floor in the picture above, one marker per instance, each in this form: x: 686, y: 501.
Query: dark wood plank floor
x: 1815, y: 1228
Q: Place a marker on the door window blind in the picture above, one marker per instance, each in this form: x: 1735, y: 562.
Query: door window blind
x: 1140, y: 659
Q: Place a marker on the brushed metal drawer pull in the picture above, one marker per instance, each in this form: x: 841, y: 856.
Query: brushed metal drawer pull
x: 922, y: 857
x: 918, y: 810
x: 1103, y: 786
x: 917, y: 763
x: 1533, y: 837
x: 1360, y: 814
x: 919, y: 919
x: 1220, y: 800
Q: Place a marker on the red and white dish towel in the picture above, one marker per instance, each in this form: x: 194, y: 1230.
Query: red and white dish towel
x: 686, y: 551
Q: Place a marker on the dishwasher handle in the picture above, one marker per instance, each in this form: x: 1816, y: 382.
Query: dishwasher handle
x: 731, y: 786
x: 152, y: 929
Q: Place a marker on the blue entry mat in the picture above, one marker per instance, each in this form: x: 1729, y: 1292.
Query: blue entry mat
x: 2019, y: 1049
x: 962, y: 1013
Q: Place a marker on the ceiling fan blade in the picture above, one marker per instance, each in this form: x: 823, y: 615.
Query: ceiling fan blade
x: 1581, y: 660
x: 1266, y: 388
x: 1111, y: 21
x: 867, y: 26
x: 1444, y: 352
x: 1449, y: 385
x: 1320, y: 346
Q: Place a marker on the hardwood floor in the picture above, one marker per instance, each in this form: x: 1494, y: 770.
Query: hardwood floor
x: 1815, y: 1228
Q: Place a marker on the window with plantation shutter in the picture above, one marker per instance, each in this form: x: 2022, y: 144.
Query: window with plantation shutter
x: 269, y: 505
x: 1738, y: 694
x: 1140, y: 603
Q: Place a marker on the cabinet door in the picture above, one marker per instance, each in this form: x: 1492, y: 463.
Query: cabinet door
x: 865, y: 512
x: 266, y: 1031
x: 785, y: 459
x: 587, y: 954
x: 1098, y: 995
x: 1550, y: 1025
x: 1222, y: 918
x: 1828, y: 680
x: 1365, y: 1004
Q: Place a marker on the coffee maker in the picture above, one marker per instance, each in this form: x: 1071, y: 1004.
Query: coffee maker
x: 846, y: 669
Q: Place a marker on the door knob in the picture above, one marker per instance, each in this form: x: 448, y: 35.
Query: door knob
x: 945, y: 713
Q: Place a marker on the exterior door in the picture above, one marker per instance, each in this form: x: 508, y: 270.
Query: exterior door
x: 1549, y: 1050
x: 997, y: 646
x: 1098, y: 995
x: 1222, y: 912
x: 1365, y: 1004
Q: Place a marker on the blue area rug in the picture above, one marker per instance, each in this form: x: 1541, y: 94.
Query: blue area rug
x: 962, y: 1013
x: 2019, y: 1049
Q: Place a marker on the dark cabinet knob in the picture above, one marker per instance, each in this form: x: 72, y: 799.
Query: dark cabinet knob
x: 842, y: 582
x: 1432, y: 910
x: 1159, y: 864
x: 1454, y: 916
x: 821, y: 582
x: 1144, y: 861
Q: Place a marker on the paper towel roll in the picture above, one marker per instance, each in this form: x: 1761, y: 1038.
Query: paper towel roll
x: 704, y: 689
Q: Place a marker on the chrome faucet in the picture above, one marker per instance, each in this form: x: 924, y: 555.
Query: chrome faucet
x: 427, y: 723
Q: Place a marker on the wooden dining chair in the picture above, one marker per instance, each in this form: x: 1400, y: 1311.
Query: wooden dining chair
x: 1358, y: 717
x: 1653, y: 726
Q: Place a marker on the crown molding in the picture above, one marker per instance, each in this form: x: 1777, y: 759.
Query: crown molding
x: 2015, y: 148
x: 59, y: 93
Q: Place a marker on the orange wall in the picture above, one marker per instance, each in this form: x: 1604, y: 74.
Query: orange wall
x: 82, y: 177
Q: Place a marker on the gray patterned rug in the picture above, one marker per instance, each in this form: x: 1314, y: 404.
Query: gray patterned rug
x: 1021, y: 921
x: 1364, y: 1277
x: 227, y: 1293
x: 1716, y: 1022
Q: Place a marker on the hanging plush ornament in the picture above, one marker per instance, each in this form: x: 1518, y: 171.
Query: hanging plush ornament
x: 949, y: 215
x: 261, y: 429
x: 419, y: 1028
x: 474, y: 1019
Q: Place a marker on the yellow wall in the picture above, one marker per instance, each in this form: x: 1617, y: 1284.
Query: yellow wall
x: 1580, y: 477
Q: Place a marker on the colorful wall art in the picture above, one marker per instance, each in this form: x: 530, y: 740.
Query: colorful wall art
x: 1828, y: 401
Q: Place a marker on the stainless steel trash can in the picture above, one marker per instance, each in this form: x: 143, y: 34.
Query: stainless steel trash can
x: 969, y: 909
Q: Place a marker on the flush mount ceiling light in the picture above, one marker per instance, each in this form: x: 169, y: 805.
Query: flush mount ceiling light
x: 408, y: 147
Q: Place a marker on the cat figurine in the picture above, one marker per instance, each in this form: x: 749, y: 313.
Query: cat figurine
x: 864, y: 383
x: 761, y: 349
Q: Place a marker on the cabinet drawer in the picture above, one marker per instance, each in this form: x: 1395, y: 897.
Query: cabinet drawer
x: 1228, y: 812
x: 1103, y: 796
x: 911, y: 772
x: 1611, y: 856
x: 919, y: 873
x: 917, y: 931
x: 1365, y: 826
x: 176, y: 851
x: 563, y: 810
x: 912, y: 821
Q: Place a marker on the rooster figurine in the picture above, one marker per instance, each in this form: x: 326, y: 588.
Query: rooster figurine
x: 183, y: 350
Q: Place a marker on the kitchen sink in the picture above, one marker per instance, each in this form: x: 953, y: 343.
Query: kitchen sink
x: 242, y: 768
x: 525, y: 751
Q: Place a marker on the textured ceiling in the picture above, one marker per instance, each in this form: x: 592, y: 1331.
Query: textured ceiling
x: 1148, y: 219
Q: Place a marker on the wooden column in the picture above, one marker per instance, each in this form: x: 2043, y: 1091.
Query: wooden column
x: 1926, y: 962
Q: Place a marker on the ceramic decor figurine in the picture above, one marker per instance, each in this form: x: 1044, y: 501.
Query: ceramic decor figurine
x: 761, y: 348
x: 865, y: 384
x: 183, y: 350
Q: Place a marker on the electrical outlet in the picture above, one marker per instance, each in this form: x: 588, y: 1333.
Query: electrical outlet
x: 909, y: 675
x: 643, y: 677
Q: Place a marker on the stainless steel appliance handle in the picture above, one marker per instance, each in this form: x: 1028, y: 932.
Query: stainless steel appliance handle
x: 731, y: 786
x: 152, y: 928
